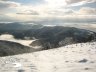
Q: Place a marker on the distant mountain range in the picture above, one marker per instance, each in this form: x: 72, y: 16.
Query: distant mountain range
x: 48, y: 37
x: 18, y: 26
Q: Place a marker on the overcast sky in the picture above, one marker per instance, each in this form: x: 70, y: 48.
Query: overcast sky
x: 51, y: 10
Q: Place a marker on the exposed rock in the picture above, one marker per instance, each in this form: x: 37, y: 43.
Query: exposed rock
x: 83, y: 61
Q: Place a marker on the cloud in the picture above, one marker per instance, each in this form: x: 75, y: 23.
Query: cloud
x: 5, y: 18
x: 79, y: 2
x: 87, y: 11
x: 8, y: 4
x: 34, y: 2
x: 6, y: 37
x: 28, y: 12
x: 73, y: 1
x: 60, y: 12
x: 55, y: 3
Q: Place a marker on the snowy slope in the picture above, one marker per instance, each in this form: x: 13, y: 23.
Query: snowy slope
x: 71, y: 58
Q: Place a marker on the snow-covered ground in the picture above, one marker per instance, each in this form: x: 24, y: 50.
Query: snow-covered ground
x: 72, y: 58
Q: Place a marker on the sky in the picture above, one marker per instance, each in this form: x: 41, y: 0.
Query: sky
x: 48, y: 10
